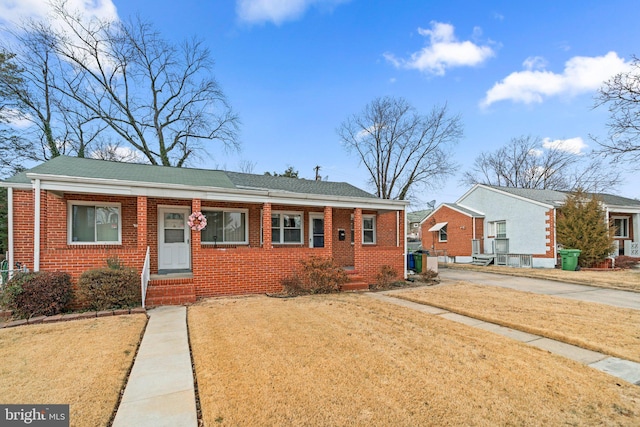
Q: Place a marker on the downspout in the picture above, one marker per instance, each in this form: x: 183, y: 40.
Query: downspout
x: 10, y: 229
x: 404, y: 252
x: 36, y: 228
x: 555, y: 237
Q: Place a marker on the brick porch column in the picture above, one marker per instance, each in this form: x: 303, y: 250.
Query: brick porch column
x: 142, y: 224
x: 328, y: 229
x: 266, y: 226
x: 195, y: 235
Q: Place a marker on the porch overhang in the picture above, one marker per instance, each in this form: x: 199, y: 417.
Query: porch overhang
x: 439, y: 226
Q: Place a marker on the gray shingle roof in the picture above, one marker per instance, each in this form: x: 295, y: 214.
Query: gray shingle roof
x: 462, y: 209
x: 418, y: 216
x: 91, y: 168
x: 302, y: 186
x: 556, y: 198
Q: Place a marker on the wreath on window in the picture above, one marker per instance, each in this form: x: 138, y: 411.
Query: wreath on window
x: 197, y: 221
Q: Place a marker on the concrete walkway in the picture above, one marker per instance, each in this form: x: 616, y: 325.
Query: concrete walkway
x: 160, y: 390
x: 624, y: 369
x: 613, y: 297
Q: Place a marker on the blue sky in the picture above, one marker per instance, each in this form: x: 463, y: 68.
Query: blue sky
x: 295, y: 69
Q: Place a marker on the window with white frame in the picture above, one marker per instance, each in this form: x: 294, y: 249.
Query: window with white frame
x: 621, y: 224
x: 94, y: 223
x: 442, y: 234
x: 286, y: 227
x: 498, y: 229
x: 368, y: 229
x: 225, y: 226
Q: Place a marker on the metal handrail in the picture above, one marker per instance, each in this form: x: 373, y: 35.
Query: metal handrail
x: 144, y: 277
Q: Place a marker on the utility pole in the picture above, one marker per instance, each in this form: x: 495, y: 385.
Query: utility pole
x: 318, y: 177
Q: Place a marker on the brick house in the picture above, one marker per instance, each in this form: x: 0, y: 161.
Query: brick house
x: 71, y: 214
x: 517, y: 225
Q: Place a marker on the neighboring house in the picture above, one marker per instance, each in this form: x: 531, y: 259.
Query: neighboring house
x: 414, y: 231
x: 71, y: 214
x: 517, y: 226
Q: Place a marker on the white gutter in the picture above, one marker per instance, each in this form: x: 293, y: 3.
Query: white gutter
x: 135, y: 188
x: 10, y: 228
x: 36, y: 227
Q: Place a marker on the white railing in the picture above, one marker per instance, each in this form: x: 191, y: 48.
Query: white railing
x: 6, y: 273
x: 515, y: 260
x: 475, y: 246
x: 144, y: 277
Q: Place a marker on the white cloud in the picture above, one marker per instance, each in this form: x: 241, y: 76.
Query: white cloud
x: 277, y: 11
x: 581, y: 74
x: 571, y: 145
x: 13, y: 12
x: 443, y: 51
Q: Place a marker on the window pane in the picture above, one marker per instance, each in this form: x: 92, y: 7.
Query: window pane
x: 275, y: 235
x: 292, y: 236
x: 174, y: 235
x: 291, y: 221
x: 367, y: 236
x: 83, y: 224
x: 501, y: 230
x: 213, y: 231
x: 275, y: 221
x: 367, y: 223
x: 443, y: 234
x: 234, y: 227
x: 107, y: 219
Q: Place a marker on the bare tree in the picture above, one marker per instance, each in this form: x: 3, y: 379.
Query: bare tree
x: 157, y: 97
x: 621, y: 95
x: 401, y: 148
x: 525, y: 163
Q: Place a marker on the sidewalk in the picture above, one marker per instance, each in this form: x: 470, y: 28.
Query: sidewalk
x: 620, y: 368
x: 160, y: 390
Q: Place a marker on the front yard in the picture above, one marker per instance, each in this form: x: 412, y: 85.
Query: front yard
x: 610, y: 330
x: 350, y: 360
x: 83, y: 363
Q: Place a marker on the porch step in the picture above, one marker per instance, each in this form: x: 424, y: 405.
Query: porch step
x: 355, y: 283
x: 170, y: 292
x: 483, y: 260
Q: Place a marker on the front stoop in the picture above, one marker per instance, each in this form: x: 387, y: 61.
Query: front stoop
x: 355, y: 283
x: 170, y: 292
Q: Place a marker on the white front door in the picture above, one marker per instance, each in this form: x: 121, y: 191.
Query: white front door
x: 174, y: 235
x: 316, y: 230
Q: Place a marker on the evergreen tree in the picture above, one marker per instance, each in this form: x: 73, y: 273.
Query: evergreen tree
x: 581, y: 224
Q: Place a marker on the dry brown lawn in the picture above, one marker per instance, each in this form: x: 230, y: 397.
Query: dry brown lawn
x: 610, y: 330
x: 83, y: 363
x: 628, y: 280
x: 348, y: 359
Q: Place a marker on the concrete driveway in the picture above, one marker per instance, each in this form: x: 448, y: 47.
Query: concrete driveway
x: 547, y: 287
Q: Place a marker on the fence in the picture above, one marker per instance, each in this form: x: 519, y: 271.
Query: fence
x: 515, y: 260
x: 6, y: 273
x: 144, y: 277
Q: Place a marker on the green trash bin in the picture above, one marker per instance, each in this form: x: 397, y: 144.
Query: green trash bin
x: 417, y: 259
x: 569, y: 258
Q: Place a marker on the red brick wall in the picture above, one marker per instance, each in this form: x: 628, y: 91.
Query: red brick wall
x: 549, y: 227
x: 459, y: 232
x: 221, y: 270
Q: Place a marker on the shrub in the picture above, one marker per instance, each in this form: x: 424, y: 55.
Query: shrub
x: 321, y: 276
x: 292, y: 285
x: 106, y: 288
x: 428, y: 275
x: 626, y: 262
x: 385, y: 277
x: 114, y: 263
x: 581, y: 225
x: 43, y: 293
